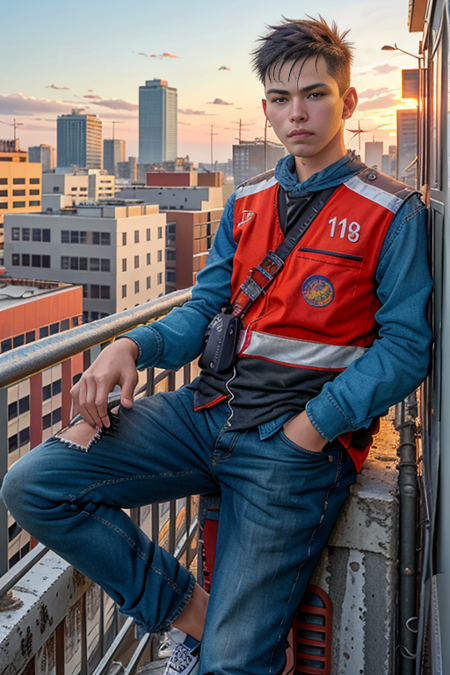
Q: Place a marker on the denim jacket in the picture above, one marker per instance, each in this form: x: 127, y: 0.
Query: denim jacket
x: 393, y: 367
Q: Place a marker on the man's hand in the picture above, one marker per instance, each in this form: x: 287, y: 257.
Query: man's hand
x: 302, y: 432
x: 114, y: 365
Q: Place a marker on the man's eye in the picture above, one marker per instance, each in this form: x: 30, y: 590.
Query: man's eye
x: 280, y: 99
x: 316, y: 94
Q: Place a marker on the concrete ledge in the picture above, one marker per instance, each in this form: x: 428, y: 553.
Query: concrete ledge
x: 46, y: 594
x: 358, y: 570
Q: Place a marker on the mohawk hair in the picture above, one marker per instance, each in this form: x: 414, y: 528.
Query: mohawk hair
x: 296, y: 40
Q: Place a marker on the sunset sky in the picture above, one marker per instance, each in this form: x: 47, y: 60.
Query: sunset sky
x: 56, y: 56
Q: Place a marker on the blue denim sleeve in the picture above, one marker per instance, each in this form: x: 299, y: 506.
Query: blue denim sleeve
x: 178, y: 338
x: 398, y: 360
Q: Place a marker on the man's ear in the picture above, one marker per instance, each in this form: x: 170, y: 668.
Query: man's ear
x: 350, y: 100
x: 264, y: 106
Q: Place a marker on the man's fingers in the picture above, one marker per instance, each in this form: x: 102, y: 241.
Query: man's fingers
x: 126, y: 395
x: 101, y: 404
x: 85, y: 402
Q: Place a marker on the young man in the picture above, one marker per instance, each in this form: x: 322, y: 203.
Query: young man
x: 339, y: 336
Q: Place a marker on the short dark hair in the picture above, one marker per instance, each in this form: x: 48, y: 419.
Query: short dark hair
x: 295, y: 40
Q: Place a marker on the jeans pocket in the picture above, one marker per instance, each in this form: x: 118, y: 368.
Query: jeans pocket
x: 303, y: 451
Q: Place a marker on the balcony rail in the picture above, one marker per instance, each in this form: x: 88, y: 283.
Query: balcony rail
x: 53, y: 620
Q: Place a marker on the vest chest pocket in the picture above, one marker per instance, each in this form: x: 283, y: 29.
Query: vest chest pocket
x: 328, y: 283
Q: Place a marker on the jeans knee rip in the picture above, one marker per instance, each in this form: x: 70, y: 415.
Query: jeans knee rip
x: 104, y: 431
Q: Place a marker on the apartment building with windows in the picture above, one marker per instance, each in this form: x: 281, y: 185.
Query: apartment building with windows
x: 114, y: 250
x: 38, y: 407
x: 20, y: 184
x: 42, y: 154
x: 158, y: 115
x: 79, y: 140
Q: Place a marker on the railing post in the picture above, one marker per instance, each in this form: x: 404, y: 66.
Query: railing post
x: 3, y: 470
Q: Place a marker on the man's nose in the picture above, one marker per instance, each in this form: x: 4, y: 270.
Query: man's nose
x: 297, y: 111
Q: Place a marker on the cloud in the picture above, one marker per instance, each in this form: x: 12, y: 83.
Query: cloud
x: 53, y: 86
x: 164, y: 55
x: 90, y: 90
x: 224, y: 68
x: 371, y: 93
x: 92, y: 96
x: 384, y: 68
x: 386, y: 101
x: 18, y: 104
x: 116, y: 104
x: 189, y: 111
x: 218, y: 101
x: 187, y: 124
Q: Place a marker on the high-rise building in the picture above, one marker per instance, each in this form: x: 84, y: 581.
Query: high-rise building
x: 115, y: 251
x: 393, y: 161
x: 158, y: 117
x: 406, y: 145
x: 79, y: 140
x: 373, y: 154
x: 41, y: 154
x: 39, y: 406
x: 251, y: 158
x: 113, y: 153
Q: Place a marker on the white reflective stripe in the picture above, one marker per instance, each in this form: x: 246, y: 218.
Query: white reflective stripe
x: 254, y: 189
x: 301, y: 352
x: 375, y: 194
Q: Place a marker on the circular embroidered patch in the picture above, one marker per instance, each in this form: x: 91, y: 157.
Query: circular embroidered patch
x: 318, y: 291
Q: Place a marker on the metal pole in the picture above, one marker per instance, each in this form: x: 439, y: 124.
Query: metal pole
x: 3, y: 469
x: 407, y: 545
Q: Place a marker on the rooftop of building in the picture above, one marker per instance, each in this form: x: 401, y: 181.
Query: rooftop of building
x: 17, y: 291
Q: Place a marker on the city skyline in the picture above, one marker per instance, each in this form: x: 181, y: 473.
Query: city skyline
x: 204, y: 54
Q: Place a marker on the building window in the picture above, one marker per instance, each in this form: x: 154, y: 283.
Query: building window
x: 34, y: 203
x: 136, y: 236
x: 75, y: 321
x: 3, y: 193
x: 149, y: 234
x: 15, y: 234
x: 105, y: 238
x: 57, y: 386
x: 124, y: 264
x: 35, y: 181
x: 136, y: 286
x: 124, y: 238
x: 65, y: 236
x: 160, y: 233
x: 124, y: 291
x: 65, y: 324
x: 136, y: 261
x: 83, y: 264
x: 34, y: 192
x: 18, y: 205
x: 94, y: 316
x: 25, y: 259
x: 13, y: 443
x: 19, y: 193
x: 6, y: 345
x: 3, y: 205
x: 24, y: 436
x: 171, y: 255
x: 35, y: 261
x: 83, y: 237
x: 64, y: 262
x: 74, y: 237
x: 94, y: 264
x: 85, y: 291
x: 36, y: 234
x: 104, y: 292
x: 46, y: 261
x: 95, y: 291
x: 54, y: 328
x: 96, y: 238
x: 149, y: 258
x: 46, y: 392
x: 18, y: 340
x: 19, y: 181
x: 15, y: 259
x: 47, y: 421
x: 12, y: 410
x: 73, y: 263
x: 56, y: 416
x: 149, y: 282
x: 25, y: 234
x: 43, y: 332
x: 24, y: 405
x: 160, y: 256
x: 85, y: 317
x: 159, y: 278
x: 29, y: 337
x: 45, y: 235
x: 4, y: 181
x: 55, y: 189
x: 105, y: 265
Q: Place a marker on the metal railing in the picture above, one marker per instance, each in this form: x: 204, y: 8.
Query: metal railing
x: 52, y: 619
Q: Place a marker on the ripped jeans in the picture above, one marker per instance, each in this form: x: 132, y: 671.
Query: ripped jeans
x: 279, y: 505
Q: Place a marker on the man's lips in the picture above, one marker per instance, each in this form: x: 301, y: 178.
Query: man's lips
x: 300, y: 134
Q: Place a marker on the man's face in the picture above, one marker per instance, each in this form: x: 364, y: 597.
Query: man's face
x: 306, y: 110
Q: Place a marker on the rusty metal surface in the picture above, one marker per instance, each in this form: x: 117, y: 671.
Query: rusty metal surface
x: 22, y: 362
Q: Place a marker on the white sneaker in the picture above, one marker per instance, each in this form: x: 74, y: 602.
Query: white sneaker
x: 183, y: 660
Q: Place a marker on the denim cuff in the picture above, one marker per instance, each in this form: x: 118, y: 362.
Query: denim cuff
x: 167, y: 624
x: 150, y: 345
x: 327, y: 417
